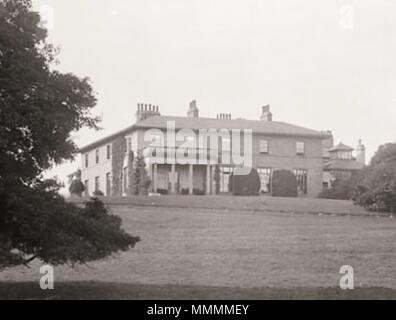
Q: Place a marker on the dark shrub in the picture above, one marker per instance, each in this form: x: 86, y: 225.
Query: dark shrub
x: 98, y: 193
x: 376, y: 190
x: 376, y: 184
x: 284, y: 184
x: 55, y: 231
x: 198, y: 192
x: 231, y: 183
x: 341, y: 189
x: 216, y: 177
x: 76, y: 187
x: 246, y: 185
x: 184, y: 191
x: 162, y: 191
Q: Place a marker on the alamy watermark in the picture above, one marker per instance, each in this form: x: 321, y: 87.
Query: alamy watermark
x: 47, y: 280
x: 347, y: 280
x: 187, y: 146
x: 347, y: 17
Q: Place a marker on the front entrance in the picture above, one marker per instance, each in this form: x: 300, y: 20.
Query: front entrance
x: 182, y: 179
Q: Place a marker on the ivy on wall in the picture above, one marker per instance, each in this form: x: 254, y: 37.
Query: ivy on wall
x: 117, y: 161
x: 131, y: 159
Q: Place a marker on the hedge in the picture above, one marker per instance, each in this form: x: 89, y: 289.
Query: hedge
x: 284, y: 184
x: 246, y: 185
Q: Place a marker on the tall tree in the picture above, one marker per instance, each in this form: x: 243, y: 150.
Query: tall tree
x: 376, y: 183
x: 39, y: 109
x: 140, y: 181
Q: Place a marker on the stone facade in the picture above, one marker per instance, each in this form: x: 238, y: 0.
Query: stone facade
x: 275, y: 145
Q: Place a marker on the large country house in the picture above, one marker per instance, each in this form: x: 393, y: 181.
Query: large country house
x: 107, y: 166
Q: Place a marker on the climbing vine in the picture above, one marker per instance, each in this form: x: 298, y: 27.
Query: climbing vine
x: 117, y: 161
x: 140, y: 182
x: 131, y: 159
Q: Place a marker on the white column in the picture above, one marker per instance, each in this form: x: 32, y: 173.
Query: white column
x: 173, y: 179
x: 155, y: 176
x: 191, y: 179
x: 208, y: 181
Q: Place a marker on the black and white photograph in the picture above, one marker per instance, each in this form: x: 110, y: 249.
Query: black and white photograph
x: 216, y: 151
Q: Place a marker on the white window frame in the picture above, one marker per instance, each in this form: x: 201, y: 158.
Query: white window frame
x: 264, y: 146
x: 97, y: 183
x: 97, y: 156
x: 299, y: 150
x: 302, y: 180
x: 108, y: 152
x: 265, y: 184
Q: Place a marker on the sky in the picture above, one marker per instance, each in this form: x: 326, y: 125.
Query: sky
x: 325, y: 65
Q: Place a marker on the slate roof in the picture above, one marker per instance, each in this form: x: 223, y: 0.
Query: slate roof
x: 342, y: 164
x: 258, y: 127
x: 341, y: 147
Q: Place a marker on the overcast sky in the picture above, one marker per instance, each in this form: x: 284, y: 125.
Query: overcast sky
x: 326, y: 65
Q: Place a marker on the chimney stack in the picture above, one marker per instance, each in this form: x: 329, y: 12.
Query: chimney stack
x: 145, y: 111
x: 193, y: 112
x: 223, y: 116
x: 266, y: 114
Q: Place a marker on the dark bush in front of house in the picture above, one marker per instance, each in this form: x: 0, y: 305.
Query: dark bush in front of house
x: 162, y: 191
x: 98, y: 193
x: 198, y: 192
x: 284, y: 184
x: 341, y: 189
x: 376, y: 186
x: 231, y: 183
x: 246, y: 185
x: 76, y: 187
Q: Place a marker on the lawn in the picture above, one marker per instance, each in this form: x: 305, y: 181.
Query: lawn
x: 232, y: 253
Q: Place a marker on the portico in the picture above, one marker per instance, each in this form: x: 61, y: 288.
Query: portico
x: 181, y: 179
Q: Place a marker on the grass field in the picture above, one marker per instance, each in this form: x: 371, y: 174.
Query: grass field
x: 232, y: 253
